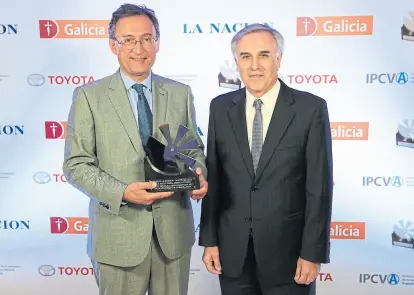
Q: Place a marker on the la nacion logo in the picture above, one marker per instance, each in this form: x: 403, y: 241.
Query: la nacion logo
x: 335, y: 25
x: 66, y: 29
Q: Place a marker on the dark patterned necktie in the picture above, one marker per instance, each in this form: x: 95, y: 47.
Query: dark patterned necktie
x: 257, y: 134
x: 144, y: 114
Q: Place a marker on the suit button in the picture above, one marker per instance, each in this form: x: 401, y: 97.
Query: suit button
x: 254, y: 188
x: 248, y: 219
x: 149, y: 208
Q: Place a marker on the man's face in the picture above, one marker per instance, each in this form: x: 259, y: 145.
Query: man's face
x: 258, y: 61
x: 135, y: 61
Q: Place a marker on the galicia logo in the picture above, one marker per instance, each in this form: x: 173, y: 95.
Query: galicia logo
x: 216, y: 28
x: 8, y: 29
x: 55, y: 130
x: 11, y: 130
x: 334, y: 25
x: 66, y: 29
x: 401, y: 78
x: 69, y: 225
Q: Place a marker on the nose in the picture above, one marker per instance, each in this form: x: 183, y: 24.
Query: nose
x: 138, y: 48
x: 255, y: 64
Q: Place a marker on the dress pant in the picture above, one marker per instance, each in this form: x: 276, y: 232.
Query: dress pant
x: 250, y: 283
x: 156, y: 274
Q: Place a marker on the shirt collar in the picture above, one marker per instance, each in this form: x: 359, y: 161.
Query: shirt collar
x: 128, y: 82
x: 272, y: 94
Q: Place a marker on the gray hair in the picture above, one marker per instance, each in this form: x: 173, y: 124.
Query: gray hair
x: 254, y: 28
x: 126, y: 10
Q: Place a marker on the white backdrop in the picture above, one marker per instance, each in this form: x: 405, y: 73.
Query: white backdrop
x: 353, y: 55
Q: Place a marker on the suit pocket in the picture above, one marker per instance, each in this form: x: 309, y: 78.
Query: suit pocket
x: 104, y: 209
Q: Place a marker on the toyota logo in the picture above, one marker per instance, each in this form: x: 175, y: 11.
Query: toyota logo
x: 46, y: 270
x: 36, y: 80
x: 41, y: 177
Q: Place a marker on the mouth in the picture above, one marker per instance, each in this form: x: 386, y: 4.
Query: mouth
x: 139, y: 59
x: 256, y: 76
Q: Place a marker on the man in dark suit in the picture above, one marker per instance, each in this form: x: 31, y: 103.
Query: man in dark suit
x: 265, y: 222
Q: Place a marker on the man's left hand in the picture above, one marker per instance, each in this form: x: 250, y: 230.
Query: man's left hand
x: 200, y: 193
x: 306, y: 272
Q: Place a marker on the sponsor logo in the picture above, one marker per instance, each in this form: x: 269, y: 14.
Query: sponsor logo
x: 3, y: 77
x: 6, y: 175
x: 8, y: 29
x: 66, y: 29
x: 55, y: 130
x: 228, y: 76
x: 46, y: 270
x: 348, y: 230
x: 40, y: 80
x: 335, y: 25
x: 49, y: 270
x: 390, y: 279
x: 401, y: 78
x: 309, y: 78
x: 216, y: 28
x: 11, y: 129
x: 69, y: 225
x: 407, y: 29
x: 349, y: 130
x: 36, y: 80
x: 324, y: 277
x: 42, y: 177
x: 403, y: 234
x: 388, y: 181
x: 405, y: 134
x: 14, y: 224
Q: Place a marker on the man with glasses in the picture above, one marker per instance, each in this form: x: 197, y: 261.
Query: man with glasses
x: 138, y: 241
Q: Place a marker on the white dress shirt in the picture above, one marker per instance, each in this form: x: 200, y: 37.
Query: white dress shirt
x: 269, y: 102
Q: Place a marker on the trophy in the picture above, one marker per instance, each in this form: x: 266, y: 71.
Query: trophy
x: 228, y: 76
x: 403, y: 235
x: 405, y: 134
x: 407, y: 29
x: 167, y: 165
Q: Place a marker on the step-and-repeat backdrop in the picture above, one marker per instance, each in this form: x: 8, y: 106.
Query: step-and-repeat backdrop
x: 358, y: 55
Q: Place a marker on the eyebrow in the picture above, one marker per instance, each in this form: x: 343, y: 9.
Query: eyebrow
x: 261, y: 52
x: 144, y: 35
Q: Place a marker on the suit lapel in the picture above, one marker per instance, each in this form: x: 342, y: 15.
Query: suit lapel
x: 237, y: 115
x: 281, y: 119
x: 119, y: 99
x: 160, y: 105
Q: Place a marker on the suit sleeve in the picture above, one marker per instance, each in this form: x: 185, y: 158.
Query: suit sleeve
x: 80, y: 165
x: 210, y: 203
x: 198, y: 154
x: 319, y: 186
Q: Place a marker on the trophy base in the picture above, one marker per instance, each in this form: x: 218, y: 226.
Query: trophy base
x: 171, y: 180
x: 176, y: 184
x: 396, y: 241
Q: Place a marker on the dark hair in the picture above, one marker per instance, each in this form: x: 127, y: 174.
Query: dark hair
x: 126, y: 10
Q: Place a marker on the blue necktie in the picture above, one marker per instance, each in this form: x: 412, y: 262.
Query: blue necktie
x: 257, y: 134
x: 144, y: 114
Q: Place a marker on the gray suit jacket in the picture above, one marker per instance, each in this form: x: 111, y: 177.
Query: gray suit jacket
x: 103, y: 154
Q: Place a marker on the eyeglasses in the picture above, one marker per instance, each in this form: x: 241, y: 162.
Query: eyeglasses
x: 130, y: 43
